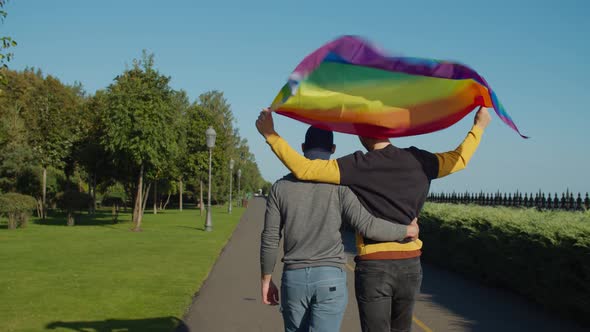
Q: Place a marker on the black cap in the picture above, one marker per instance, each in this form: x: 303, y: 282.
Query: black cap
x: 318, y: 138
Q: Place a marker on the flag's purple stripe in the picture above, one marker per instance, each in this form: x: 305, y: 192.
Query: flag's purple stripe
x: 357, y: 51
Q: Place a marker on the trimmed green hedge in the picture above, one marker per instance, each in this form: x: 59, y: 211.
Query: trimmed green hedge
x: 542, y: 255
x: 17, y: 208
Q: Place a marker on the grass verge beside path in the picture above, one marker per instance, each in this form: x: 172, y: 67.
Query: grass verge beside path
x: 101, y: 276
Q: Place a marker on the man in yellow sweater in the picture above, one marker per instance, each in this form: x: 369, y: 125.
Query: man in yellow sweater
x: 392, y: 183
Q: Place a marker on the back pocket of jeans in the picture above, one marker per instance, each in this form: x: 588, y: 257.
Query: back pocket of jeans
x: 335, y: 293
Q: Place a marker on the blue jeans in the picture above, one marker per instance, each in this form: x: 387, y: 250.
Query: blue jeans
x: 313, y: 299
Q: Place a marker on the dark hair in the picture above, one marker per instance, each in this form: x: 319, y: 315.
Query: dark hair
x: 319, y: 138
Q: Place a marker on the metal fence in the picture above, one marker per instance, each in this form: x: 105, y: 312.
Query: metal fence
x: 567, y: 201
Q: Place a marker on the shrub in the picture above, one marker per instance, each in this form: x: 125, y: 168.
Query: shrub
x: 72, y: 201
x: 115, y: 201
x: 542, y: 255
x: 112, y: 201
x: 17, y: 208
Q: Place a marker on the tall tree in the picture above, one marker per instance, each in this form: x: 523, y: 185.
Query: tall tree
x: 15, y: 153
x: 50, y: 111
x: 88, y: 152
x: 53, y: 121
x: 177, y: 169
x: 5, y: 43
x: 195, y: 162
x: 251, y: 179
x: 217, y: 111
x: 138, y: 124
x: 212, y: 109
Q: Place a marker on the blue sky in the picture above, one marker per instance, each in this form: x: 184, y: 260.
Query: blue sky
x: 535, y: 54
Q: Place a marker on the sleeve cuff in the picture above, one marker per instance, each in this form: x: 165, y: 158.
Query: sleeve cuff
x: 272, y: 139
x: 477, y: 130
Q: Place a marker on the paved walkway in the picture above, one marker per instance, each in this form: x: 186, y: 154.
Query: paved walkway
x: 230, y: 298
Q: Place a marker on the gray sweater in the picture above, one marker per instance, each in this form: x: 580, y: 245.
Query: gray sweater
x: 309, y: 215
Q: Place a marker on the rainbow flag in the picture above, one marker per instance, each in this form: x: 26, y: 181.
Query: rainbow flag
x: 350, y: 86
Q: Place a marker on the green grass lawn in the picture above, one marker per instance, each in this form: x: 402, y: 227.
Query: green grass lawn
x: 99, y: 276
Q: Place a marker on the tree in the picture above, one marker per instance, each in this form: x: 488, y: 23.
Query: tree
x: 43, y: 124
x: 213, y: 109
x: 251, y: 179
x: 72, y: 201
x: 195, y: 161
x: 89, y: 153
x: 30, y: 183
x: 172, y: 170
x: 217, y: 111
x: 52, y: 115
x: 5, y: 43
x: 138, y: 125
x: 15, y: 153
x: 138, y: 133
x: 178, y: 167
x: 115, y: 197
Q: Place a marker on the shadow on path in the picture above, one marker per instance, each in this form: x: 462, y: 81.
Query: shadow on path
x: 469, y: 306
x: 123, y: 325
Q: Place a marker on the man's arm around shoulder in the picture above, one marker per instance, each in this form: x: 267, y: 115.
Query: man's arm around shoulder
x: 372, y: 227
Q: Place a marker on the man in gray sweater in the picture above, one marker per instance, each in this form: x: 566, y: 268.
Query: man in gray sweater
x: 309, y: 216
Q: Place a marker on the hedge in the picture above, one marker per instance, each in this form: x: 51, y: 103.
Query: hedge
x: 17, y: 208
x: 541, y: 254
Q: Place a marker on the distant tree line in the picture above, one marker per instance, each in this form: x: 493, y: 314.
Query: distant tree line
x: 136, y: 141
x: 539, y: 200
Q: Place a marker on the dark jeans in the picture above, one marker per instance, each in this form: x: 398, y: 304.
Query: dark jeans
x: 385, y: 292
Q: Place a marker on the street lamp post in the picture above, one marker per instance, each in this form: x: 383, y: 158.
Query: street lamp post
x: 231, y: 175
x: 210, y: 134
x: 239, y: 192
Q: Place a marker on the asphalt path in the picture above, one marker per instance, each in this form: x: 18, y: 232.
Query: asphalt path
x: 229, y: 300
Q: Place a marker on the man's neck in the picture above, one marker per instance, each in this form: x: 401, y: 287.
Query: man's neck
x: 380, y: 145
